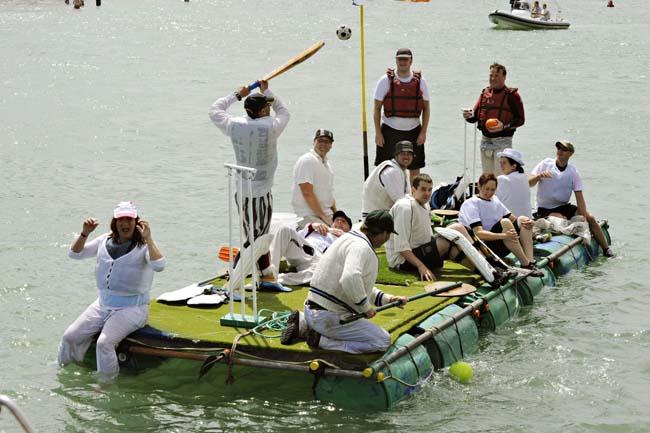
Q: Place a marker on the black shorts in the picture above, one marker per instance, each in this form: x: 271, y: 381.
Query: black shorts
x: 392, y: 136
x: 427, y: 254
x: 498, y: 246
x: 567, y: 210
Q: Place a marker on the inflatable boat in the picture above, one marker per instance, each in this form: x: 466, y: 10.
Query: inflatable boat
x: 520, y: 18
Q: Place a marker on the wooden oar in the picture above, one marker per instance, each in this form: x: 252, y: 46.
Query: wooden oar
x: 436, y: 292
x: 464, y: 289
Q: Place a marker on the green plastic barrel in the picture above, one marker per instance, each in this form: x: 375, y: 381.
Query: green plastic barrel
x: 501, y: 306
x: 577, y: 257
x: 530, y: 286
x: 452, y: 343
x: 402, y: 378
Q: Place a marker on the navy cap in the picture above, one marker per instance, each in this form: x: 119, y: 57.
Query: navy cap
x: 256, y: 102
x: 341, y: 214
x: 324, y: 133
x: 404, y: 53
x: 404, y: 146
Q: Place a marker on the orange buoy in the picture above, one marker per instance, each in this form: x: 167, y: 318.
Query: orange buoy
x: 491, y: 123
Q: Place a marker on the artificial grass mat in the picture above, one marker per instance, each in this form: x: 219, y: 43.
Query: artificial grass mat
x: 201, y: 326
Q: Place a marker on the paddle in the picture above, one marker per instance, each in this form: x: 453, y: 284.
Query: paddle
x: 436, y: 292
x: 464, y: 289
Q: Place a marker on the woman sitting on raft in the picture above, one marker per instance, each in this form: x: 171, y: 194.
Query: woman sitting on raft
x: 513, y: 188
x: 493, y: 223
x: 127, y: 257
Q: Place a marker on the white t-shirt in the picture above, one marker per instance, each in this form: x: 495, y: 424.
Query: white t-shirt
x: 311, y: 168
x: 400, y: 123
x: 514, y: 192
x: 477, y: 211
x: 413, y: 224
x: 556, y: 191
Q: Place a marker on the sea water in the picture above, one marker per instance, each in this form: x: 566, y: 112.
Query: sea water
x: 105, y: 104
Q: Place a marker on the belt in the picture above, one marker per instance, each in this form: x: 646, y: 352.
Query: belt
x: 314, y: 306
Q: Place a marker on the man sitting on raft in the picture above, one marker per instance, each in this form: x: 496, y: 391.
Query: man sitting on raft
x: 389, y: 181
x: 304, y: 248
x: 415, y: 249
x: 557, y: 179
x: 343, y: 284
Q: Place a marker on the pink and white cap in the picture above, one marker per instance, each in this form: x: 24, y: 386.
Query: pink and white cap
x: 125, y: 209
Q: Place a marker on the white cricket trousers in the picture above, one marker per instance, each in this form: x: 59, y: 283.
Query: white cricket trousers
x: 361, y: 336
x: 112, y: 324
x: 288, y: 243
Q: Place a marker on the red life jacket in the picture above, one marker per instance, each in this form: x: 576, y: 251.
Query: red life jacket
x: 403, y: 99
x: 495, y: 106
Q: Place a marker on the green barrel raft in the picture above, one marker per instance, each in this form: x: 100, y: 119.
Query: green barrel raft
x: 428, y: 334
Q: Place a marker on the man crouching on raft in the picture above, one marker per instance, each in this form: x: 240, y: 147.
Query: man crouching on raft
x: 343, y: 284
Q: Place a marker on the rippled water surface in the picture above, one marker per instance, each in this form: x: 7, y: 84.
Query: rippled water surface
x: 108, y: 103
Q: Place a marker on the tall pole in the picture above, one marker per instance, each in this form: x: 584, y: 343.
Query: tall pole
x: 363, y: 97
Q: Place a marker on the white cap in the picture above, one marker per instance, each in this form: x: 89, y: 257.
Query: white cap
x: 513, y: 154
x: 125, y: 209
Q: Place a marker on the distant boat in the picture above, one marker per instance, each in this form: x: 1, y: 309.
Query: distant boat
x: 519, y: 18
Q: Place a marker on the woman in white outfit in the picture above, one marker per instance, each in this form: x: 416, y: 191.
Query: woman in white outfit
x: 127, y: 257
x: 513, y: 188
x: 493, y: 223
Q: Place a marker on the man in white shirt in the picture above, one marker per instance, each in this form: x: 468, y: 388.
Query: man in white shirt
x: 404, y: 97
x: 313, y: 182
x: 254, y: 140
x: 303, y: 248
x: 343, y: 284
x: 389, y: 181
x: 558, y: 179
x: 415, y: 249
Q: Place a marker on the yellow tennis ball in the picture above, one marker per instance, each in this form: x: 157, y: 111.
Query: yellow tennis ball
x: 461, y: 371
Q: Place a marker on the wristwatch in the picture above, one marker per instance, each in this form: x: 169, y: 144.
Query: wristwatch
x: 238, y: 96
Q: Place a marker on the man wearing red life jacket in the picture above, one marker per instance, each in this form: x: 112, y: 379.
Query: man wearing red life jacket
x: 497, y: 101
x: 404, y: 97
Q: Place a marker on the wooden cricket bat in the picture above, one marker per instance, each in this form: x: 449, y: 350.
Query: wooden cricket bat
x: 290, y: 64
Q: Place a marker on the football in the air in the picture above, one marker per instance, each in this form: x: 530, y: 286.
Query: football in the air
x: 344, y: 32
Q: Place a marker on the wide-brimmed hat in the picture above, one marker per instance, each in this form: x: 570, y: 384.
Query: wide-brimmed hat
x: 125, y: 209
x: 565, y: 145
x: 380, y: 221
x: 513, y: 154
